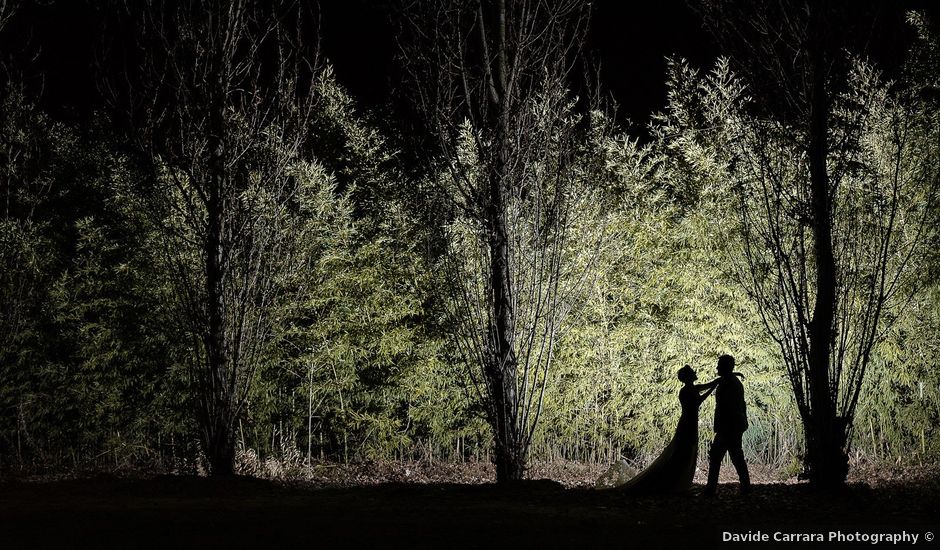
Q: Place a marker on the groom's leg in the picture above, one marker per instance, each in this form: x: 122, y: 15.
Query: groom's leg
x: 715, y: 455
x: 740, y: 465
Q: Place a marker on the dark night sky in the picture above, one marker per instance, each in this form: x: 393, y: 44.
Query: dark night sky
x: 629, y: 39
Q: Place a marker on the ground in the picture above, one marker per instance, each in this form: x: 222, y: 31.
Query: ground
x: 189, y: 511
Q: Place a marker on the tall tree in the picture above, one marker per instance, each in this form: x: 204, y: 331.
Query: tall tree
x: 491, y: 79
x: 221, y: 100
x: 823, y: 255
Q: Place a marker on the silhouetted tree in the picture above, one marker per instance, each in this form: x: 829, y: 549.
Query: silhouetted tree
x: 222, y: 99
x: 828, y: 226
x: 491, y: 80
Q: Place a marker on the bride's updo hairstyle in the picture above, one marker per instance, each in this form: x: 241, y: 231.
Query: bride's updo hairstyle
x: 686, y: 374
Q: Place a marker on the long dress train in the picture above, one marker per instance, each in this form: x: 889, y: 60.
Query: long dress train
x: 673, y: 470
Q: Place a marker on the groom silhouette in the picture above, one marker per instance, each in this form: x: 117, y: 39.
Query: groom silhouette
x: 730, y: 424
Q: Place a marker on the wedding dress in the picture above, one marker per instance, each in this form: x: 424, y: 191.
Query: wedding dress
x: 673, y: 470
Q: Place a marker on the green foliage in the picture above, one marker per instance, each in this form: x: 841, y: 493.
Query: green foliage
x: 663, y: 299
x: 885, y: 169
x: 87, y: 352
x: 356, y: 363
x: 355, y: 356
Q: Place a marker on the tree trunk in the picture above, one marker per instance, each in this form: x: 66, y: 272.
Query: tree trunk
x: 220, y: 448
x: 510, y: 454
x: 825, y: 457
x: 217, y: 395
x: 510, y: 447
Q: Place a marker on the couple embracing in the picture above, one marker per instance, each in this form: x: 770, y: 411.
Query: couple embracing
x: 673, y: 470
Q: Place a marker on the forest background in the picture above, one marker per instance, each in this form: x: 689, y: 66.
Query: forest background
x: 356, y: 360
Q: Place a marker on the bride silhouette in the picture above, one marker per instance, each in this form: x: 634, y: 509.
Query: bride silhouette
x: 673, y: 470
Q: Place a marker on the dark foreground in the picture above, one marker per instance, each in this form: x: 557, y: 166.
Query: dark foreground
x: 175, y: 512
